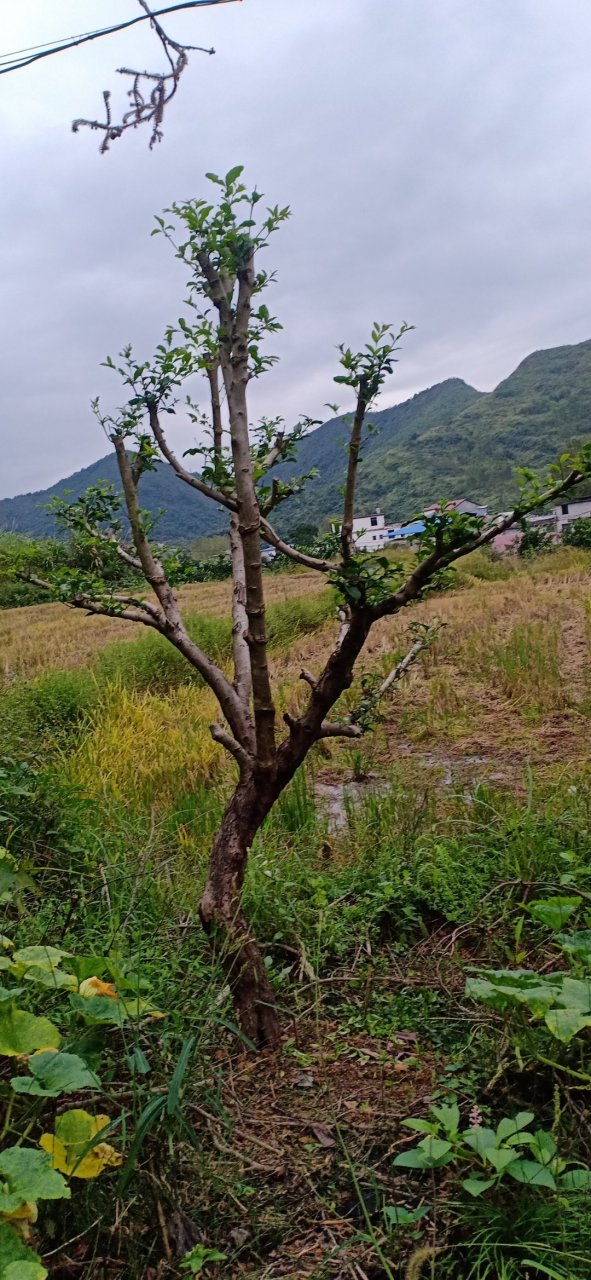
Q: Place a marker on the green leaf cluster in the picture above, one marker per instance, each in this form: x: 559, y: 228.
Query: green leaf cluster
x: 486, y: 1157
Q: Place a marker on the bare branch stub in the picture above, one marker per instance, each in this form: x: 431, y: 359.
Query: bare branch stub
x: 150, y: 92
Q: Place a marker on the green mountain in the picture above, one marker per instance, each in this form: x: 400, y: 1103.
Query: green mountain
x: 453, y: 441
x: 185, y: 513
x: 449, y: 441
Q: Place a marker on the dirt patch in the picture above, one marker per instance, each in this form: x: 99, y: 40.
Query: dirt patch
x: 292, y: 1131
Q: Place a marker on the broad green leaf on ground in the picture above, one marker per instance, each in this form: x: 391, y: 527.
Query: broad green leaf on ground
x: 87, y: 966
x: 500, y: 1157
x: 576, y: 1180
x: 566, y: 1023
x: 115, y: 1011
x: 532, y: 1173
x: 42, y: 957
x: 476, y: 1186
x: 397, y: 1216
x: 513, y: 1124
x: 543, y: 1146
x: 553, y: 912
x: 448, y: 1115
x: 55, y: 1073
x: 55, y: 978
x: 8, y: 873
x: 10, y: 993
x: 17, y: 1261
x: 413, y: 1159
x: 24, y: 1271
x: 576, y: 944
x: 575, y: 993
x: 504, y: 987
x: 436, y: 1151
x: 420, y: 1126
x: 74, y: 1148
x: 27, y: 1175
x: 480, y: 1139
x: 23, y: 1033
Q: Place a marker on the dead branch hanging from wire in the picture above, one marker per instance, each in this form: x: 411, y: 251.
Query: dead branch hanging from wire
x: 150, y: 92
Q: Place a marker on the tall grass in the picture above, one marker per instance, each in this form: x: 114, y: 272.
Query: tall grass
x: 528, y: 662
x: 59, y: 704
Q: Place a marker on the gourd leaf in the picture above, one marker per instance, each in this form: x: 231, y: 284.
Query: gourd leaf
x: 54, y: 978
x: 10, y: 993
x: 23, y: 1033
x: 17, y: 1261
x: 575, y: 993
x: 553, y: 912
x: 74, y: 1148
x: 54, y: 1074
x: 27, y: 1175
x: 114, y: 1011
x: 566, y: 1023
x: 576, y: 944
x: 41, y: 957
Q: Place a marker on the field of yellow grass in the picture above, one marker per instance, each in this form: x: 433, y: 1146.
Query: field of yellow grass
x: 507, y: 682
x: 41, y: 637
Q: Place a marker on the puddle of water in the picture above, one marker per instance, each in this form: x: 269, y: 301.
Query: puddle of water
x: 336, y: 799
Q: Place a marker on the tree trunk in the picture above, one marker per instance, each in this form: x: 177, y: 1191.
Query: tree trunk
x: 224, y: 921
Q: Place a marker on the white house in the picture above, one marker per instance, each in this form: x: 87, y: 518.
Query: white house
x: 566, y: 512
x: 370, y: 533
x: 463, y: 506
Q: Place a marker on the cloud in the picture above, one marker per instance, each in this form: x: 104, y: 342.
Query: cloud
x: 435, y: 157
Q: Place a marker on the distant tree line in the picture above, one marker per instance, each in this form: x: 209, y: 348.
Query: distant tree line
x: 23, y: 558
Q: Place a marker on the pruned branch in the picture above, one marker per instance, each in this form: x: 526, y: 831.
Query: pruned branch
x: 225, y: 739
x: 183, y: 474
x: 441, y: 557
x: 342, y: 730
x: 299, y: 557
x: 236, y: 713
x: 401, y: 667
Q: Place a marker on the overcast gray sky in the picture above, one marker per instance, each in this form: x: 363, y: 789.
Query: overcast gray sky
x: 435, y: 154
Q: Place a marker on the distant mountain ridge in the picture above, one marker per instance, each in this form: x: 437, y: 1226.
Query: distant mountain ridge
x: 448, y: 441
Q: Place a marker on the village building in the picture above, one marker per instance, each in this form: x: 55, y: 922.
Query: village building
x: 566, y: 512
x: 371, y: 533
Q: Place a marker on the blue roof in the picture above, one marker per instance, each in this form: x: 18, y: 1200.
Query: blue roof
x: 408, y: 530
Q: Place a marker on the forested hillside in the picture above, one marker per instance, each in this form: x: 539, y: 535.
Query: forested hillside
x: 444, y: 442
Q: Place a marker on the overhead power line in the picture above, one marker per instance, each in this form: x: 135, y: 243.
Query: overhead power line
x: 16, y: 59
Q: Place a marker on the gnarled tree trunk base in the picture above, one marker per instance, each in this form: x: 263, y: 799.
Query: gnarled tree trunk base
x: 224, y: 921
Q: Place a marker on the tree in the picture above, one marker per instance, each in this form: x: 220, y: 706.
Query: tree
x: 578, y: 533
x: 534, y: 541
x: 222, y: 339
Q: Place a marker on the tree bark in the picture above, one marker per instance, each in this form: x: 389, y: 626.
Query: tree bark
x: 222, y: 916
